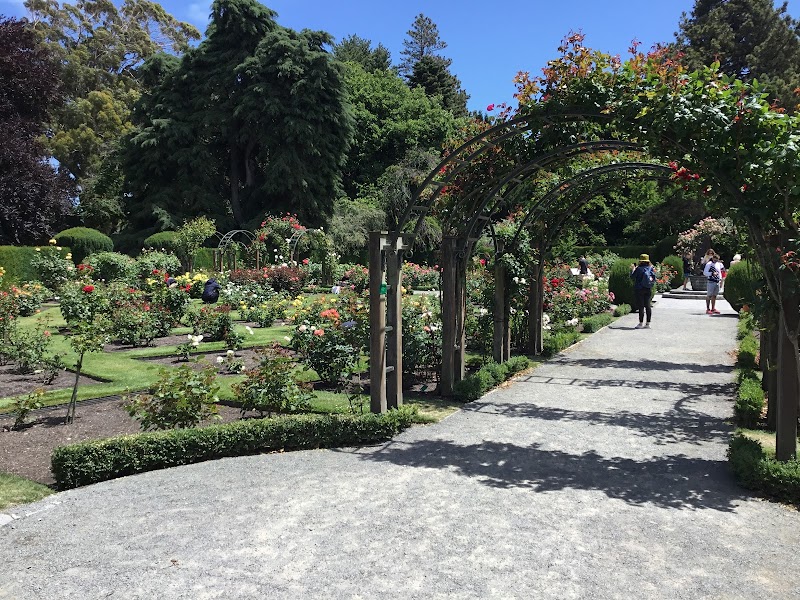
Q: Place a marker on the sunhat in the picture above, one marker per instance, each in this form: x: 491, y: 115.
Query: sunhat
x: 644, y: 258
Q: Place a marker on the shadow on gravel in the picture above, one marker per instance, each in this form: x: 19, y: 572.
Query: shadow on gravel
x: 642, y: 365
x: 678, y: 425
x: 689, y: 389
x: 672, y: 482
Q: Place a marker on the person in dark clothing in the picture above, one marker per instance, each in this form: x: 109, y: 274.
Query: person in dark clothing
x: 583, y: 265
x: 688, y: 267
x: 211, y: 291
x: 644, y: 278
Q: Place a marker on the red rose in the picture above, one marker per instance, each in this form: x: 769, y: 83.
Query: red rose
x: 88, y: 289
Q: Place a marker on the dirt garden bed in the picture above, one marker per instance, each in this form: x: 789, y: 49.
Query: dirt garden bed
x: 16, y: 384
x: 27, y: 452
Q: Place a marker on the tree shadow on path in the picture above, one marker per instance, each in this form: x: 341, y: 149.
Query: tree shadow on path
x: 640, y: 365
x: 670, y: 482
x: 693, y: 389
x: 678, y: 425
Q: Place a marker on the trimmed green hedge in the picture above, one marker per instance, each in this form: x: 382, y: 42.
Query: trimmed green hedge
x: 16, y: 260
x: 91, y: 462
x: 488, y: 376
x: 741, y: 282
x: 596, y: 322
x: 745, y: 326
x: 555, y: 343
x: 748, y: 353
x: 84, y: 241
x: 749, y: 403
x: 622, y: 310
x: 755, y: 470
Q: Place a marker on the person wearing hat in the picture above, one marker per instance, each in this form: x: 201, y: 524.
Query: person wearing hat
x: 644, y: 277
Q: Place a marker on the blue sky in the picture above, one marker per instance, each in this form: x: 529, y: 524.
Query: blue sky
x: 489, y: 42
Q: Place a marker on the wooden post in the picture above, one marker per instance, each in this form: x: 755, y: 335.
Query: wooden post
x: 377, y: 326
x: 788, y: 387
x: 499, y: 316
x: 448, y: 314
x: 394, y: 326
x: 535, y: 305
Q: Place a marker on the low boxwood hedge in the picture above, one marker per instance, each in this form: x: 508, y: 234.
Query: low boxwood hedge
x: 596, y: 322
x: 91, y: 462
x: 755, y: 470
x: 555, y: 343
x: 475, y: 385
x: 622, y: 310
x: 749, y: 400
x: 748, y: 353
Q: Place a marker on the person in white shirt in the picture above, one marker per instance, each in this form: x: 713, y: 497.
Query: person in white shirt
x: 713, y: 273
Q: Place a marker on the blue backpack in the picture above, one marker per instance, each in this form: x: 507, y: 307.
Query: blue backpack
x: 648, y: 277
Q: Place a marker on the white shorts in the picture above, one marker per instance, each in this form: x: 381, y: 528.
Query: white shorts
x: 712, y: 289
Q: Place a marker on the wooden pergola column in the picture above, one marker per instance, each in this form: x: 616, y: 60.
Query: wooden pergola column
x: 788, y: 376
x: 385, y: 322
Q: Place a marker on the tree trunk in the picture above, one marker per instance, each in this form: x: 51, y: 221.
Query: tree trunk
x: 770, y: 361
x: 788, y: 370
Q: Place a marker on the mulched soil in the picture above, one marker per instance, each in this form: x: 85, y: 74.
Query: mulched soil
x: 14, y: 384
x: 27, y: 453
x: 170, y: 340
x: 201, y: 360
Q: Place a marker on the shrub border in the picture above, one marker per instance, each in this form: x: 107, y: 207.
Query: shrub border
x: 755, y: 470
x: 92, y: 462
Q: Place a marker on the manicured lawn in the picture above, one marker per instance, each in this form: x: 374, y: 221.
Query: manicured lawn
x: 16, y: 490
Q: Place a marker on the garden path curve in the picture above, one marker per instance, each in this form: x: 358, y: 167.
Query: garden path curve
x: 601, y: 474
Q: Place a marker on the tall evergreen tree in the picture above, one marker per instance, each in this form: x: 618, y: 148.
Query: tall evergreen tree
x: 359, y: 50
x: 35, y: 197
x: 751, y: 39
x: 423, y: 40
x: 424, y: 66
x: 251, y: 121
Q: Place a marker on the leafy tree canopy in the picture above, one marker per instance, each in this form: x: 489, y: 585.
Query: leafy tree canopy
x: 35, y: 198
x: 359, y: 50
x: 100, y: 47
x: 751, y: 39
x: 390, y: 119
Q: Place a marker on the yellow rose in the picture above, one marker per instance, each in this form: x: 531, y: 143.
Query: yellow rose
x: 53, y: 242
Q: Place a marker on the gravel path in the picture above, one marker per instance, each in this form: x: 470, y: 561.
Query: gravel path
x: 600, y: 475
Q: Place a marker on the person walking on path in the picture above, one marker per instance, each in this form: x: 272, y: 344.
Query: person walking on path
x: 713, y: 273
x: 643, y: 279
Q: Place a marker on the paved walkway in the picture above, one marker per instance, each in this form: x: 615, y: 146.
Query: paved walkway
x: 600, y: 475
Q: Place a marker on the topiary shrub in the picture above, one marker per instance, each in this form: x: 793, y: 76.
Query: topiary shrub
x: 497, y: 371
x: 622, y: 310
x: 620, y: 282
x: 596, y: 322
x: 84, y: 241
x: 741, y: 282
x: 676, y: 262
x: 163, y: 240
x: 153, y: 264
x: 111, y: 266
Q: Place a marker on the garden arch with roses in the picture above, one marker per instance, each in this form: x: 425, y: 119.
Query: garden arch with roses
x: 718, y: 135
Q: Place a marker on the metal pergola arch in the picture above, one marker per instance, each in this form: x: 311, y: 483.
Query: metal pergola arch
x: 387, y: 248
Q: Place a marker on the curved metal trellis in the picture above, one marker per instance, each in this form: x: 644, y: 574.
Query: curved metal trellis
x: 224, y: 247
